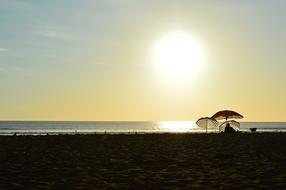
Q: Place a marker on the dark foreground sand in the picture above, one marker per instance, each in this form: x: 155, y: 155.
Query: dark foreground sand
x: 155, y: 161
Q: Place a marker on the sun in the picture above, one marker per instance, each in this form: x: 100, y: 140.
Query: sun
x: 177, y: 56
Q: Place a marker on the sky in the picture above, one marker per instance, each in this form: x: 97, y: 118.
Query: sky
x: 91, y: 59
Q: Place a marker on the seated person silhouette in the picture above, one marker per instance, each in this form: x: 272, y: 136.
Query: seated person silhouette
x: 229, y: 129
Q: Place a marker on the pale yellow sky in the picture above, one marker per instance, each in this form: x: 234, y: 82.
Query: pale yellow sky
x: 93, y: 60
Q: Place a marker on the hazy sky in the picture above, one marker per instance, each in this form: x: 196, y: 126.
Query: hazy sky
x: 90, y: 59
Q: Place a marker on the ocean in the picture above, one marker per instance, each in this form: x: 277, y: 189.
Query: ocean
x: 91, y: 127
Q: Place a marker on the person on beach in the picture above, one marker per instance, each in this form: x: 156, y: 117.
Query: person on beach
x: 229, y: 129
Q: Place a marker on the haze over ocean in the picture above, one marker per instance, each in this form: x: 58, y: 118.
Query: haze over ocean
x: 90, y: 127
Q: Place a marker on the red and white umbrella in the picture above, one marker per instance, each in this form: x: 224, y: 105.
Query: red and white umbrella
x: 227, y: 114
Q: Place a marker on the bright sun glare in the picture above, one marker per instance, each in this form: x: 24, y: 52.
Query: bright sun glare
x: 177, y: 56
x: 177, y: 126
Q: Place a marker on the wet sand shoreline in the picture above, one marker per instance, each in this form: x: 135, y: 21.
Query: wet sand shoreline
x: 144, y: 161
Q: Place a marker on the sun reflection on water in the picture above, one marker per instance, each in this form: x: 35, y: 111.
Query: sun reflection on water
x: 177, y: 126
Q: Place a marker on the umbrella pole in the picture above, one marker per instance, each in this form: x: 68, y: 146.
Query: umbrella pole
x: 206, y: 126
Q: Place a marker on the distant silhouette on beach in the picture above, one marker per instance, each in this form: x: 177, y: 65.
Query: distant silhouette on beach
x: 231, y: 125
x: 229, y: 129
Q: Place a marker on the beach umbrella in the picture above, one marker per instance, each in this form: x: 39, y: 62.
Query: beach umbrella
x: 227, y: 114
x: 205, y: 122
x: 232, y: 123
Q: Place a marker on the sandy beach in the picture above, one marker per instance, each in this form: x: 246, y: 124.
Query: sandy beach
x: 149, y: 161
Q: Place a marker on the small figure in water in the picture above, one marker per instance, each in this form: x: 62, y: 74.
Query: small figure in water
x: 229, y: 129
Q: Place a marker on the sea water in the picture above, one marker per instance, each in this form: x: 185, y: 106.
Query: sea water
x: 91, y: 127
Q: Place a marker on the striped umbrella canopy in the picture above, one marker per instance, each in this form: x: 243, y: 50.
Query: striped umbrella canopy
x: 232, y: 123
x: 206, y: 122
x: 227, y: 114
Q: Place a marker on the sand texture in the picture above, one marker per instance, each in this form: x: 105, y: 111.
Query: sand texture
x: 154, y: 161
